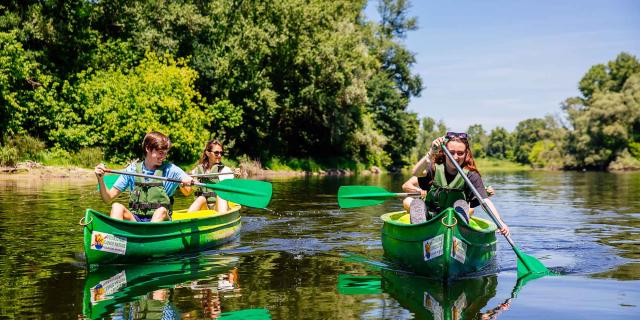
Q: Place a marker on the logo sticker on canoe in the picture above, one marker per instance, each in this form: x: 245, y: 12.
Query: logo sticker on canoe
x: 108, y: 242
x: 459, y: 250
x: 432, y: 248
x: 105, y: 288
x: 431, y: 304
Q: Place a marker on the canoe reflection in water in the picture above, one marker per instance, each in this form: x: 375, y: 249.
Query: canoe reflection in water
x: 185, y: 289
x: 429, y: 299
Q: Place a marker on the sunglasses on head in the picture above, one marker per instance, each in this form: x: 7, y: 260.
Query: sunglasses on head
x: 451, y: 135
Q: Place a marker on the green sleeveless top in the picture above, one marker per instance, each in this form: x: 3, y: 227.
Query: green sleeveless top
x: 442, y: 195
x: 147, y: 196
x: 204, y: 191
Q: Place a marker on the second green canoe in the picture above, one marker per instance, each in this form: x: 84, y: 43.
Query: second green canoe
x: 108, y: 241
x: 445, y: 247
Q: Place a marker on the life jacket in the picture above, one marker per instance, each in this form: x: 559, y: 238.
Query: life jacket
x: 204, y: 191
x: 442, y: 195
x: 147, y: 196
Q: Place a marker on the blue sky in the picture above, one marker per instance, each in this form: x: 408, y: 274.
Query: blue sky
x: 499, y: 62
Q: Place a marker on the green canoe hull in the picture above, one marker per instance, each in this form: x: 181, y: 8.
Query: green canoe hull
x: 111, y: 241
x: 445, y: 247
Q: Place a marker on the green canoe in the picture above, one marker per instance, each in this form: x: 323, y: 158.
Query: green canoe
x: 445, y: 247
x: 108, y: 241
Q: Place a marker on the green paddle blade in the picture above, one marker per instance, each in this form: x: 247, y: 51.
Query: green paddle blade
x: 349, y: 285
x: 522, y: 281
x: 361, y: 196
x: 250, y: 193
x: 109, y: 180
x: 528, y: 264
x: 246, y: 314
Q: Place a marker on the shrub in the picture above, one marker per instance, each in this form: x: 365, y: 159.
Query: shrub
x: 8, y: 156
x: 88, y: 157
x: 27, y: 147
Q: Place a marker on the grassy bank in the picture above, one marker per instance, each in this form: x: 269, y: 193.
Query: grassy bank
x: 491, y: 164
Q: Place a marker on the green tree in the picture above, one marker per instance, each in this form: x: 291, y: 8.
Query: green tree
x: 393, y: 84
x: 606, y: 119
x: 20, y: 81
x: 114, y: 109
x: 526, y: 134
x: 500, y: 144
x: 478, y: 140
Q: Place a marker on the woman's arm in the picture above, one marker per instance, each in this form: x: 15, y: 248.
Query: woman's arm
x: 505, y: 228
x: 412, y: 185
x: 420, y: 168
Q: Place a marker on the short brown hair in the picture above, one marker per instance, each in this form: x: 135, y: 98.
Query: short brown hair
x: 155, y: 141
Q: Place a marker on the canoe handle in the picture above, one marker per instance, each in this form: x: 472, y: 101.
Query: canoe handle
x: 455, y: 221
x: 85, y: 224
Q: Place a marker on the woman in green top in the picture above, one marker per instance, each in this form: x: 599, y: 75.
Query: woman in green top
x: 210, y: 163
x: 437, y: 173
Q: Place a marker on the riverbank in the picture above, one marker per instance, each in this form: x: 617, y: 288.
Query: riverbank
x: 36, y: 169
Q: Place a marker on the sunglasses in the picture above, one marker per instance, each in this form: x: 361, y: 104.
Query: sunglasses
x: 461, y: 135
x: 217, y: 153
x: 458, y: 153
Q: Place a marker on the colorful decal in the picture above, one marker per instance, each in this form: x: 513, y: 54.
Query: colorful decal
x: 432, y: 248
x: 459, y: 250
x: 105, y: 288
x: 458, y: 307
x: 431, y: 304
x: 107, y: 242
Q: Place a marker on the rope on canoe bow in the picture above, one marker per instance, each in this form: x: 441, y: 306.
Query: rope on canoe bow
x: 85, y: 224
x: 449, y: 225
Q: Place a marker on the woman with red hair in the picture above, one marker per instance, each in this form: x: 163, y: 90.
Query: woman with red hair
x: 440, y: 184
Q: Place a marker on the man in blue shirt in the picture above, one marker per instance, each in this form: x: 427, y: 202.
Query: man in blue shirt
x: 150, y: 199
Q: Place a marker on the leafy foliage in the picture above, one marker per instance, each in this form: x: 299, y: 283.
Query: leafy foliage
x: 114, y: 109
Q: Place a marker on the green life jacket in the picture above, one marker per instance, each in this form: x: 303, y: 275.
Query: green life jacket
x: 147, y: 196
x: 442, y: 195
x: 204, y: 191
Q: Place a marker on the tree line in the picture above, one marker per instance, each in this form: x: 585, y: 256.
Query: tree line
x: 598, y: 130
x: 281, y: 78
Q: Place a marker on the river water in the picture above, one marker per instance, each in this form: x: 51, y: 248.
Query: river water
x: 304, y: 258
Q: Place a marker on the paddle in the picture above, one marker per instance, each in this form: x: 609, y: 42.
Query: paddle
x: 208, y: 175
x: 526, y: 264
x: 361, y: 196
x: 110, y: 179
x: 251, y: 193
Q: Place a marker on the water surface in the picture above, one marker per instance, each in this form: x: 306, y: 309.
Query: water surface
x: 307, y: 259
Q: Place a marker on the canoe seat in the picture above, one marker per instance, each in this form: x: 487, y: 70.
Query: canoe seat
x: 475, y: 223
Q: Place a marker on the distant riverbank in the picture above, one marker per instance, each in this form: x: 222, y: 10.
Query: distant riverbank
x: 31, y: 168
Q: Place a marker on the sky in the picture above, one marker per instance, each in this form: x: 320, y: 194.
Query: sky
x: 498, y: 62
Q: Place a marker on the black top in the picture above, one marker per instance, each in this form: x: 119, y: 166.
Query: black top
x: 426, y: 182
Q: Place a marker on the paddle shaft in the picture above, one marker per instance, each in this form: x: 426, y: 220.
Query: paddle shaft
x: 135, y: 174
x: 205, y: 175
x: 477, y: 194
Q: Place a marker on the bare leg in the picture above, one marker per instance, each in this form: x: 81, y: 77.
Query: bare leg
x: 222, y: 206
x: 199, y: 204
x: 120, y: 212
x: 161, y: 214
